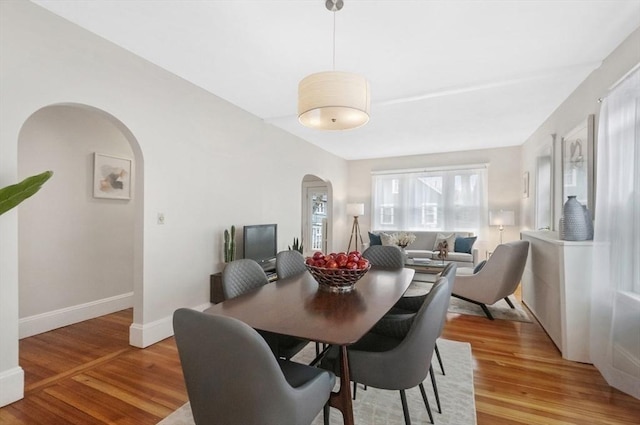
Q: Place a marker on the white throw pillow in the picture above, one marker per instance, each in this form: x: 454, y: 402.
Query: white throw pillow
x: 386, y: 239
x: 451, y: 241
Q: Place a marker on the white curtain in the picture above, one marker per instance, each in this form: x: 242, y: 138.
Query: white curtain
x: 615, y: 307
x: 449, y: 199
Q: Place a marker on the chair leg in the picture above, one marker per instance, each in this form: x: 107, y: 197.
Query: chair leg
x: 484, y: 307
x: 426, y: 402
x: 405, y: 408
x: 317, y: 349
x: 486, y: 311
x: 355, y: 387
x: 439, y: 358
x: 326, y: 413
x: 509, y: 302
x: 435, y: 388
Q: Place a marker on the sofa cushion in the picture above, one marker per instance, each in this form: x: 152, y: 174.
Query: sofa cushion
x: 464, y: 244
x: 374, y: 239
x: 449, y: 238
x: 386, y: 239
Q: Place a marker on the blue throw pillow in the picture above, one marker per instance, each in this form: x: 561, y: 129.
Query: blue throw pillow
x: 464, y: 244
x: 374, y: 239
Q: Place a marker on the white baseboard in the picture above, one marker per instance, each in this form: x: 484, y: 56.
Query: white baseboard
x: 33, y: 325
x: 11, y: 385
x: 144, y: 335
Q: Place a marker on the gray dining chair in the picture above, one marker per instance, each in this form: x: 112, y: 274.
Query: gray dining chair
x: 386, y: 256
x: 498, y: 279
x: 220, y: 355
x: 398, y: 321
x: 242, y: 276
x: 390, y: 363
x: 289, y: 263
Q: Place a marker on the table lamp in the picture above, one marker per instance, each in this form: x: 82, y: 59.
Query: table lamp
x: 501, y: 218
x: 355, y: 210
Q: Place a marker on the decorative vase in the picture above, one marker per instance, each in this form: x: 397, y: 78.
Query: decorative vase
x: 574, y: 225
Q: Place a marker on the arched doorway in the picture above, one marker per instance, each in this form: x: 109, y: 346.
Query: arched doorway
x: 317, y: 207
x: 79, y: 256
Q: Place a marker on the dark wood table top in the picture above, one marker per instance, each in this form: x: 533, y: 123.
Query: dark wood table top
x: 295, y: 306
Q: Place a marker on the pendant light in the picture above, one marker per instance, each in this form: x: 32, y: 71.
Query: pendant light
x: 333, y: 100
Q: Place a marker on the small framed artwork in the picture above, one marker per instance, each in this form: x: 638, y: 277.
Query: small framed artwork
x: 111, y: 177
x: 525, y: 184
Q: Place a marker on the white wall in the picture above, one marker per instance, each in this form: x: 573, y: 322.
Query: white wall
x: 74, y: 249
x: 575, y: 109
x: 206, y: 165
x: 504, y: 180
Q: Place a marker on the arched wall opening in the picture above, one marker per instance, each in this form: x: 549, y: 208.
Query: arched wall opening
x: 317, y: 214
x: 80, y: 256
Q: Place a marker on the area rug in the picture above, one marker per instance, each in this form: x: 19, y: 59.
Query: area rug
x: 381, y: 407
x: 499, y: 310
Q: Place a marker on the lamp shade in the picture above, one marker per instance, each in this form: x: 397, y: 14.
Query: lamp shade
x: 355, y: 210
x: 501, y: 218
x: 333, y: 100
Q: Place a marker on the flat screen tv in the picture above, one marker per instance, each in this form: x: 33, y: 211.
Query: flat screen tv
x: 260, y: 243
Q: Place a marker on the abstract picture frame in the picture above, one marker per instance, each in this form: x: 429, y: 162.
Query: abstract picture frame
x: 525, y: 184
x: 578, y: 163
x: 111, y: 177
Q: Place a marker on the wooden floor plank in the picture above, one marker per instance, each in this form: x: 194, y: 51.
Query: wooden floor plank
x: 88, y: 374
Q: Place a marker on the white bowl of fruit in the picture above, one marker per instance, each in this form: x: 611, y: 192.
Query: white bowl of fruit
x: 337, y: 272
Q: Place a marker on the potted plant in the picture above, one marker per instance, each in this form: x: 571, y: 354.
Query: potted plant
x: 297, y: 246
x: 11, y: 196
x: 230, y: 244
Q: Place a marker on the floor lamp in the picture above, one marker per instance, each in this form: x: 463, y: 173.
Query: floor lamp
x: 355, y: 210
x: 501, y: 218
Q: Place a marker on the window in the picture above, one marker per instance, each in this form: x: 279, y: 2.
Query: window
x: 450, y: 199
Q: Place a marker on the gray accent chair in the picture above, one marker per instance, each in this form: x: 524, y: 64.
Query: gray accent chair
x: 498, y: 279
x: 220, y: 355
x: 289, y: 263
x: 242, y: 276
x: 385, y: 256
x: 390, y: 363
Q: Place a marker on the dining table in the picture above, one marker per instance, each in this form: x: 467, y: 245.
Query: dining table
x: 297, y: 306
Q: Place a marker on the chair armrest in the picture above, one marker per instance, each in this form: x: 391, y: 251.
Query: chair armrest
x: 475, y: 254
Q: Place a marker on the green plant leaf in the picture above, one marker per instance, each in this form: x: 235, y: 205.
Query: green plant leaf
x: 14, y: 194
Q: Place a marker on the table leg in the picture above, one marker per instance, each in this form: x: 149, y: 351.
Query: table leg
x: 342, y: 399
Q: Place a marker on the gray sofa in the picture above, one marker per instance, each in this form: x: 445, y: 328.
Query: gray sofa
x: 423, y: 246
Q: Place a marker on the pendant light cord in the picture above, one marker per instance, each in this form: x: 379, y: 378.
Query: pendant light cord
x: 334, y: 41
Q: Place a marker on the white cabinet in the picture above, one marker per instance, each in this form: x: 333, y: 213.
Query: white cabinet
x: 556, y: 286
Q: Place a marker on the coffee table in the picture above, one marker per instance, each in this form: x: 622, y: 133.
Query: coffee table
x: 431, y: 269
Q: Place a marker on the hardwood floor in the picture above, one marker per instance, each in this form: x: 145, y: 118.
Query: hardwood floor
x: 88, y: 374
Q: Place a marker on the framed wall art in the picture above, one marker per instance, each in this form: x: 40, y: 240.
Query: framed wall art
x: 577, y: 163
x: 111, y: 177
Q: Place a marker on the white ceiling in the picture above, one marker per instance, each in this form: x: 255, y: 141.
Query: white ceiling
x: 445, y: 75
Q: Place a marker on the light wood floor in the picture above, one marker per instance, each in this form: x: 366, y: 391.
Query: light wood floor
x: 88, y: 374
